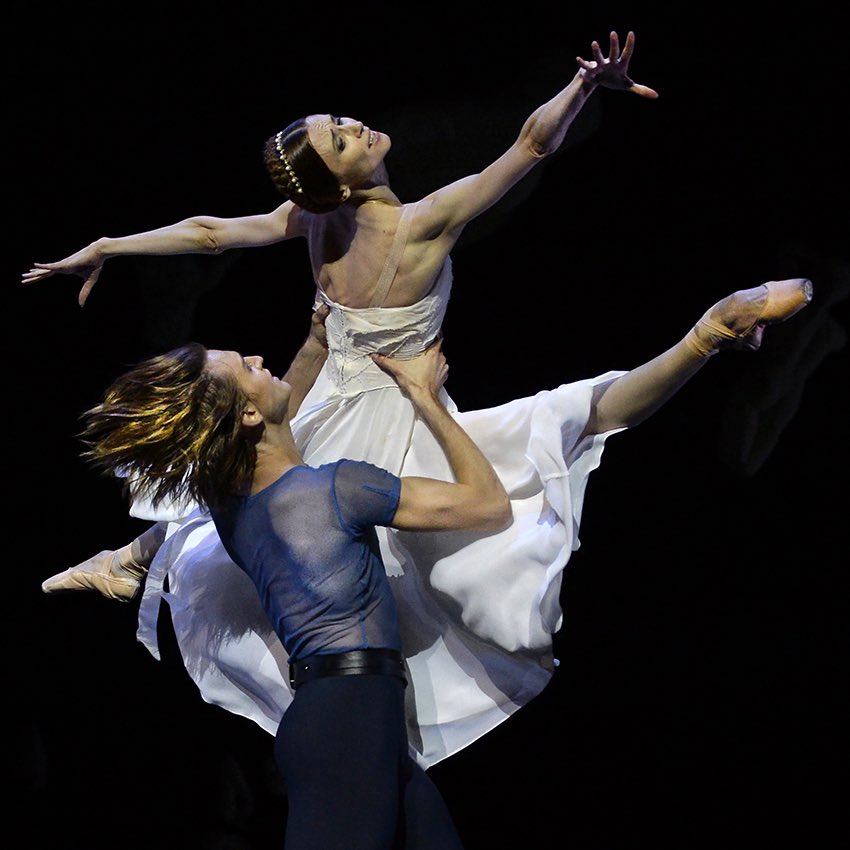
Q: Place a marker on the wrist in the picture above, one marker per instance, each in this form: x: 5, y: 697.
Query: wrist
x: 123, y: 560
x: 586, y: 83
x: 313, y: 349
x: 102, y: 248
x: 700, y: 342
x: 425, y: 399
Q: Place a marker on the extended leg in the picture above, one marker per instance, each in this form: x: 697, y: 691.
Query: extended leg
x: 114, y: 574
x: 735, y: 322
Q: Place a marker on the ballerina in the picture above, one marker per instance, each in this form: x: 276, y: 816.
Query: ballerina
x: 480, y: 637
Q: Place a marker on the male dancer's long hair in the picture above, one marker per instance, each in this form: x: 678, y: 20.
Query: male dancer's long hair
x: 171, y: 429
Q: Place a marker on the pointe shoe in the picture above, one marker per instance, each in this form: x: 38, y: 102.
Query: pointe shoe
x: 104, y: 573
x: 738, y: 321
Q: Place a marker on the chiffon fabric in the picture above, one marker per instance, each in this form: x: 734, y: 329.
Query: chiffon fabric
x: 477, y: 610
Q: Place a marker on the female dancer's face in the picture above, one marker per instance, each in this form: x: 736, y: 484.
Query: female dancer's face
x: 350, y: 150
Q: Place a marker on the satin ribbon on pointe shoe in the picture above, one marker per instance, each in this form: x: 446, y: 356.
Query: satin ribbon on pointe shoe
x: 782, y: 300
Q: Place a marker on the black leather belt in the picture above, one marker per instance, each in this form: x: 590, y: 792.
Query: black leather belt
x: 357, y: 662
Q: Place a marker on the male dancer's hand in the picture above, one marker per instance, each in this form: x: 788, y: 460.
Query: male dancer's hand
x: 425, y: 373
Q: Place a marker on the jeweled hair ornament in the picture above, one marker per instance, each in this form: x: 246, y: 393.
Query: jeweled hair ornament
x: 278, y: 143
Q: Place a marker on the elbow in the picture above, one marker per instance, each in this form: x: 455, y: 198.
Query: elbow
x: 538, y: 151
x: 537, y: 148
x: 499, y: 515
x: 206, y: 236
x: 531, y: 143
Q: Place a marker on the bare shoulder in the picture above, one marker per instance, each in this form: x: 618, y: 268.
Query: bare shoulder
x: 292, y: 219
x: 429, y: 218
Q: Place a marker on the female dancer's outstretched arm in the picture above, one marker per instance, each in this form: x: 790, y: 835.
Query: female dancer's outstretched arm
x: 358, y: 172
x: 542, y: 134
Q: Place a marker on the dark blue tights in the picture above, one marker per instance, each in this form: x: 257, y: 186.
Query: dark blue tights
x: 352, y: 785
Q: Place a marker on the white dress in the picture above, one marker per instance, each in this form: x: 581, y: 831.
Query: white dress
x: 477, y: 610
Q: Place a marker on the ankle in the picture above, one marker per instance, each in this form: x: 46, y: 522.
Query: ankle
x: 125, y: 565
x: 709, y: 336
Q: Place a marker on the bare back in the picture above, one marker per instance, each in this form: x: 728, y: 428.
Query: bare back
x: 349, y: 251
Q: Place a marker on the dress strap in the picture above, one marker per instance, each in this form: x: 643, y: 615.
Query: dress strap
x: 393, y: 257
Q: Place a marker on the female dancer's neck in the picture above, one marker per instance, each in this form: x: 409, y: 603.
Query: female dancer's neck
x: 374, y: 194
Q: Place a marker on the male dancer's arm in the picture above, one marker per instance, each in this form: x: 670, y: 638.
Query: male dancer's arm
x: 309, y: 360
x: 476, y: 499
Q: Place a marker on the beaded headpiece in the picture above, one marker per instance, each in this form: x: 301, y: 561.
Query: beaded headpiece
x: 288, y: 168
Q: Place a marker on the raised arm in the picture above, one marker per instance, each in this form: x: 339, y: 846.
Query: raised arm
x: 543, y: 132
x: 476, y: 500
x: 308, y: 361
x: 196, y: 235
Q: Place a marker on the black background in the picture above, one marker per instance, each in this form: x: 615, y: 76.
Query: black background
x: 701, y: 696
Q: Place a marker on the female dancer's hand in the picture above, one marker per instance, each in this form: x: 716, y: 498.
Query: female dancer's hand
x: 613, y: 72
x: 86, y: 263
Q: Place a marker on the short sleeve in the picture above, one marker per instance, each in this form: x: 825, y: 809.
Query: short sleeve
x: 365, y: 495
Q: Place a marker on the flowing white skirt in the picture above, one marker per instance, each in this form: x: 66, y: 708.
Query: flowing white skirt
x: 477, y: 611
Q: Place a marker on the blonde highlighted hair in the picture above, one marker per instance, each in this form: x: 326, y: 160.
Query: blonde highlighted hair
x: 172, y: 429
